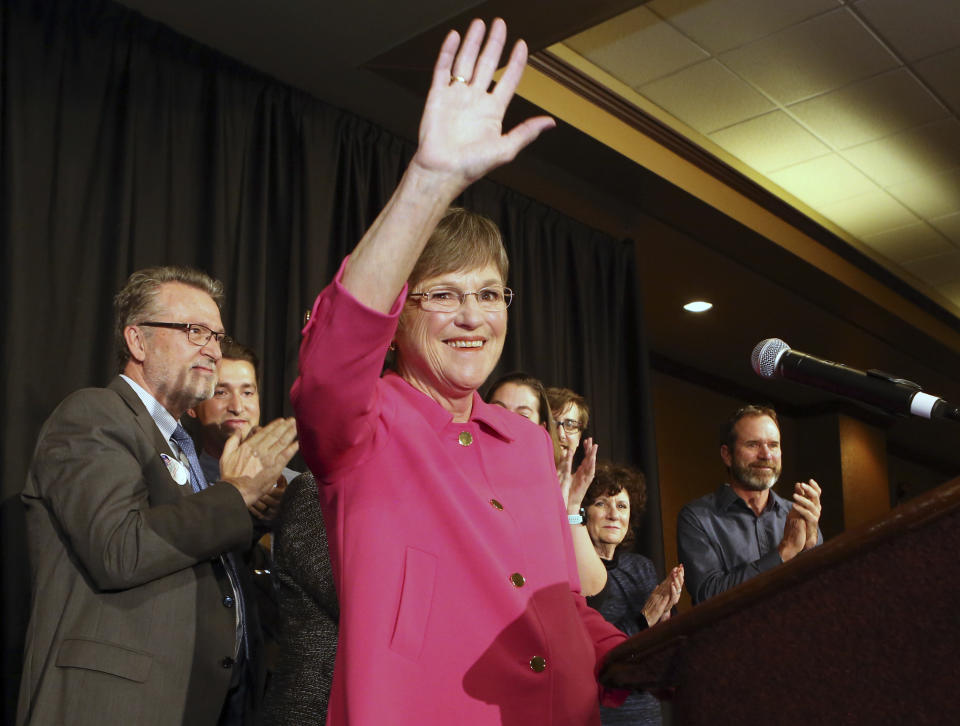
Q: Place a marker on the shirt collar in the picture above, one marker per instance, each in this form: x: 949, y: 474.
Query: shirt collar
x: 776, y: 502
x: 498, y: 419
x: 726, y: 498
x: 161, y: 416
x: 495, y: 418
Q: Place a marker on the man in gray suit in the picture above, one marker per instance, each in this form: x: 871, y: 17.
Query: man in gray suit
x: 138, y: 613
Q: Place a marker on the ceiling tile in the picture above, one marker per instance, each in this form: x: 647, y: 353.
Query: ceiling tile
x: 869, y: 109
x: 937, y: 270
x: 915, y: 29
x: 869, y: 213
x: 941, y: 73
x: 707, y: 97
x: 636, y: 47
x: 823, y: 180
x: 813, y: 57
x: 936, y: 195
x: 950, y: 226
x: 720, y: 25
x: 769, y: 142
x: 909, y: 243
x: 910, y: 154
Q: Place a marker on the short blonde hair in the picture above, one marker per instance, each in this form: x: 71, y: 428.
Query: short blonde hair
x: 462, y: 240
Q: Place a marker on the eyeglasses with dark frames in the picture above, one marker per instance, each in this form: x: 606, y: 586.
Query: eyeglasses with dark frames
x: 197, y: 334
x: 571, y: 426
x: 493, y: 299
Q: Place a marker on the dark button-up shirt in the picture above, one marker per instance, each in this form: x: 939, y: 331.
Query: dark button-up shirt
x: 721, y: 542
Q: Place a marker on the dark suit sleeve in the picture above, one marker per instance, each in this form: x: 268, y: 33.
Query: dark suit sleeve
x: 101, y: 478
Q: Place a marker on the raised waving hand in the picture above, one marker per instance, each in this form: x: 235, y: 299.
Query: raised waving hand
x: 461, y: 139
x: 461, y: 131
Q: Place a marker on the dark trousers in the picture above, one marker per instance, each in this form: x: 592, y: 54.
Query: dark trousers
x: 238, y: 706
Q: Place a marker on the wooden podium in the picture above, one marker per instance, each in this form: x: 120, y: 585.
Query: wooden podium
x: 864, y: 629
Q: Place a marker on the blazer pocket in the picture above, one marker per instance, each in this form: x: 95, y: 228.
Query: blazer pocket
x: 95, y: 655
x: 416, y: 599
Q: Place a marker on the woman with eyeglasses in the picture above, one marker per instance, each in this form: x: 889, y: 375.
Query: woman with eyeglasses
x: 450, y: 545
x: 525, y: 395
x: 632, y: 599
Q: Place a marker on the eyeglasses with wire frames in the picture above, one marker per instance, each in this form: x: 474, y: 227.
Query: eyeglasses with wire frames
x: 570, y: 425
x: 492, y: 299
x: 196, y: 333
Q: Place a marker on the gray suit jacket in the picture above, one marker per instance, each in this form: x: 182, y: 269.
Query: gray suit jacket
x: 128, y: 622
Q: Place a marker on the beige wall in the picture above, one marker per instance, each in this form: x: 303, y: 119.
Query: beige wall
x: 863, y: 460
x: 687, y: 419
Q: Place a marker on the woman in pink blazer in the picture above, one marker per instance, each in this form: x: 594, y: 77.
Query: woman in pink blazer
x: 449, y: 538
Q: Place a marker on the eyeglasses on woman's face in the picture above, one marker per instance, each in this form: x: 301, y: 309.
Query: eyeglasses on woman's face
x: 447, y: 299
x: 569, y: 425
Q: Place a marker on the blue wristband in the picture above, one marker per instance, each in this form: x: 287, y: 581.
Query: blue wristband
x: 575, y: 518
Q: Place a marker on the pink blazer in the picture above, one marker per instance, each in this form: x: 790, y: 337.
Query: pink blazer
x: 449, y: 542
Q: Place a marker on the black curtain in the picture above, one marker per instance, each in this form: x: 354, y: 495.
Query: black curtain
x: 124, y: 145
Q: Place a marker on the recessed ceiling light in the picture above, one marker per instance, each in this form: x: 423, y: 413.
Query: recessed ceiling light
x: 698, y: 306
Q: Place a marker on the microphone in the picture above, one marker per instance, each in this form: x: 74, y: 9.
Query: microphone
x: 772, y: 358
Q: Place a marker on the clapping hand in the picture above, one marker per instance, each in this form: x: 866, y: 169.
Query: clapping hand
x: 800, y: 528
x: 806, y: 499
x: 254, y: 464
x: 574, y: 485
x: 267, y: 507
x: 664, y: 596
